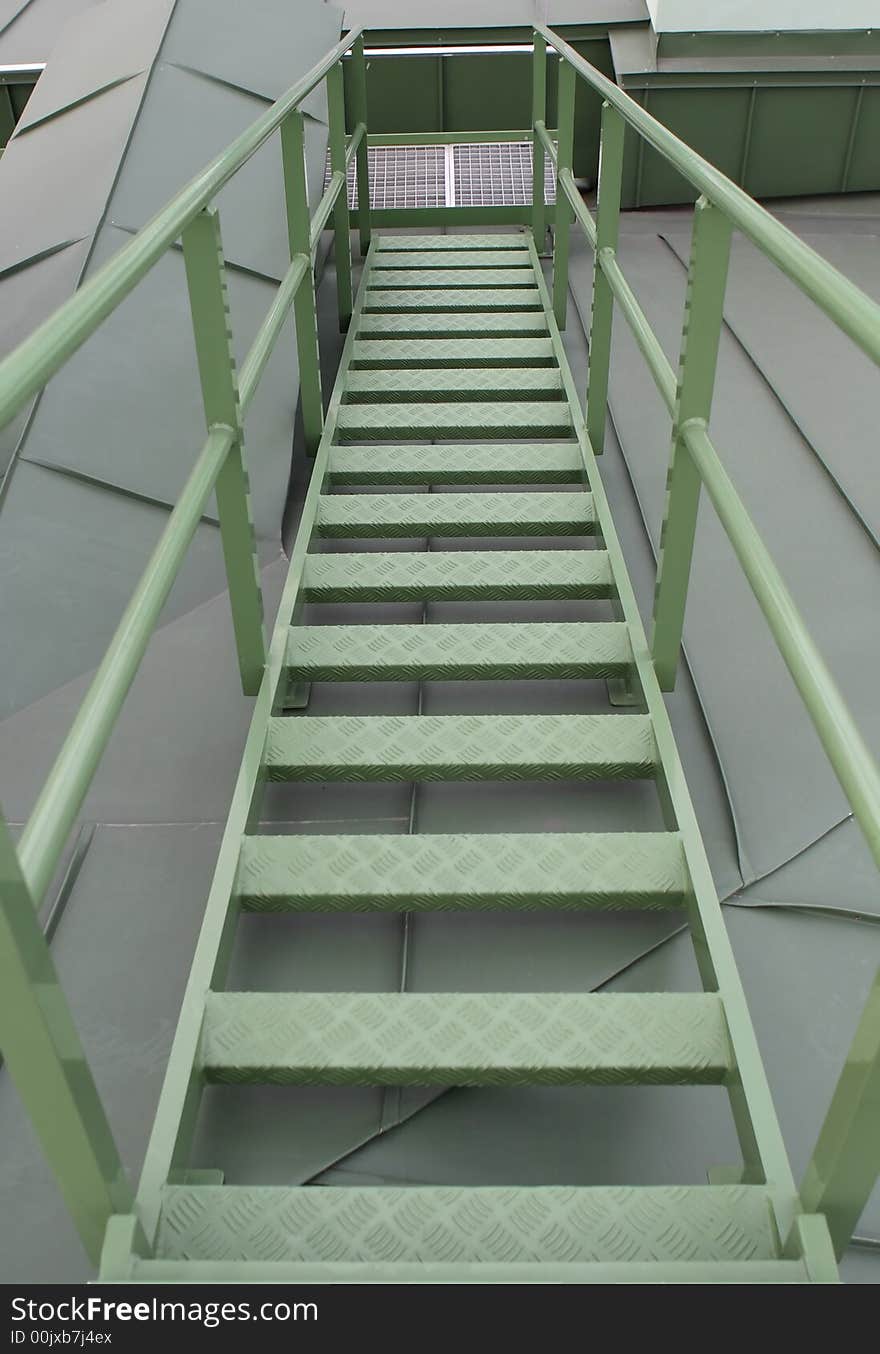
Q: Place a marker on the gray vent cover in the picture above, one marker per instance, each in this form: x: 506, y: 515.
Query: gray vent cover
x: 472, y: 174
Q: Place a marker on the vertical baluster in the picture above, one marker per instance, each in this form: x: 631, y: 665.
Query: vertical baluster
x: 206, y: 279
x: 707, y: 279
x: 341, y: 225
x: 843, y: 1168
x: 607, y: 221
x: 564, y: 213
x: 539, y: 114
x: 358, y: 115
x: 304, y: 311
x: 48, y: 1067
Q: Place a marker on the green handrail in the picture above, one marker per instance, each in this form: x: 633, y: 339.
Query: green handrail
x: 39, y: 1038
x: 29, y: 367
x: 855, y: 313
x: 846, y: 1161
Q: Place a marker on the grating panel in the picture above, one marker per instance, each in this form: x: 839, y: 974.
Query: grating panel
x: 497, y: 174
x: 484, y: 174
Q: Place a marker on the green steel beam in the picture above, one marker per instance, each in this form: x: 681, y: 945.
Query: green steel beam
x: 48, y: 1066
x: 206, y: 280
x: 607, y: 219
x: 359, y: 113
x: 338, y: 164
x: 846, y: 1160
x: 564, y: 214
x: 701, y: 333
x: 304, y: 311
x: 539, y: 114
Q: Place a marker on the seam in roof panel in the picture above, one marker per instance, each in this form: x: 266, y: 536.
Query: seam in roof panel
x: 22, y: 128
x: 34, y: 259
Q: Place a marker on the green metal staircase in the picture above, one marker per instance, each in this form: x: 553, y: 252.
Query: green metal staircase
x: 455, y: 421
x: 417, y: 365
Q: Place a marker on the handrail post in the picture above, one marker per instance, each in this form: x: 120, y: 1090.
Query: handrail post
x: 341, y: 223
x: 564, y: 213
x: 359, y: 114
x: 304, y: 310
x: 206, y: 279
x: 601, y: 319
x: 846, y: 1158
x: 701, y: 333
x: 48, y: 1066
x: 539, y: 114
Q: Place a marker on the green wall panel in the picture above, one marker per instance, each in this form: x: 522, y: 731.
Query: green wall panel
x: 864, y: 168
x: 799, y: 141
x: 712, y: 121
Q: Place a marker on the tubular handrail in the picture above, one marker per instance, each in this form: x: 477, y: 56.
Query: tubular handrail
x: 29, y: 367
x: 846, y: 1159
x: 841, y: 300
x: 40, y: 1041
x: 50, y: 346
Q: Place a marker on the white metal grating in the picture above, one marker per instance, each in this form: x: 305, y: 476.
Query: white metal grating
x: 497, y: 174
x: 475, y: 174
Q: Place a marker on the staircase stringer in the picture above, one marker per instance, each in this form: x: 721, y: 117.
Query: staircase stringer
x: 764, y: 1154
x: 176, y: 1113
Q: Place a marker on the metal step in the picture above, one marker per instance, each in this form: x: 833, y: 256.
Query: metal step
x: 452, y: 299
x: 461, y: 324
x: 421, y: 279
x: 459, y: 258
x: 454, y: 463
x: 499, y: 240
x: 525, y: 651
x: 566, y: 1229
x: 510, y: 872
x: 451, y: 353
x: 474, y: 383
x: 560, y: 513
x: 459, y: 576
x: 460, y: 747
x: 451, y: 421
x: 465, y: 1038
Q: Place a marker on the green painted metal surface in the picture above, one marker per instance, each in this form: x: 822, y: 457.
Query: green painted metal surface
x: 507, y: 1226
x: 458, y: 653
x: 432, y: 872
x: 462, y: 463
x: 459, y: 575
x: 409, y: 515
x: 759, y: 1229
x: 460, y: 747
x: 465, y: 1039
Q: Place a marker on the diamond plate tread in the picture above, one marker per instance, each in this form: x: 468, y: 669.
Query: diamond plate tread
x: 455, y: 420
x: 465, y: 1038
x: 569, y: 871
x: 443, y: 353
x: 526, y: 651
x: 459, y: 324
x: 480, y: 463
x: 459, y: 575
x: 557, y: 513
x: 548, y: 1225
x: 420, y: 278
x: 470, y: 383
x: 498, y: 240
x: 459, y: 258
x: 460, y: 747
x: 451, y: 299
